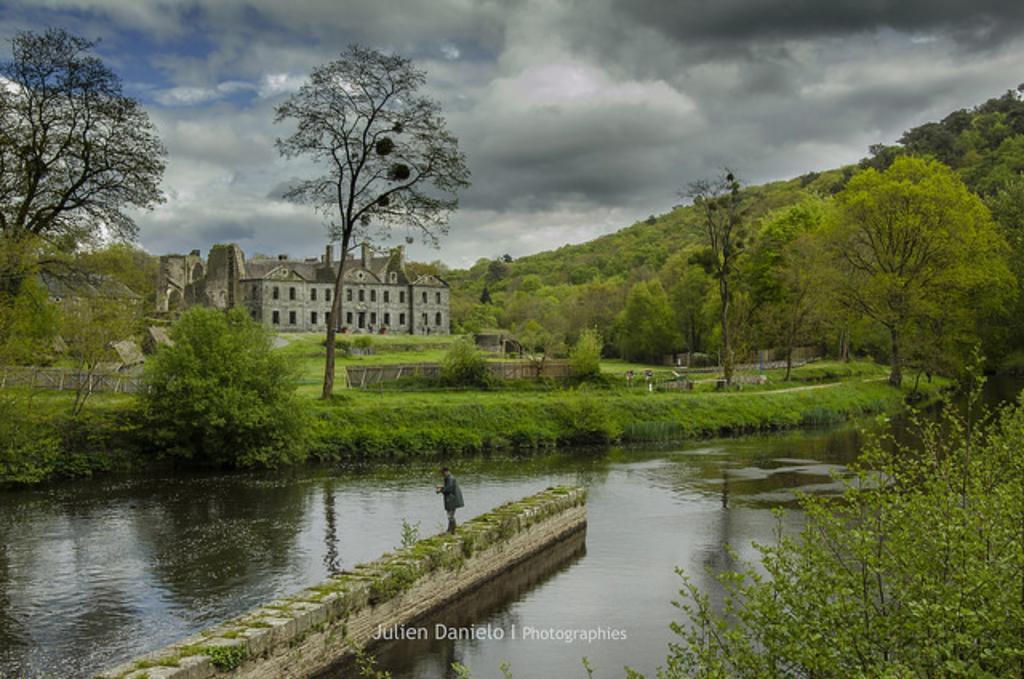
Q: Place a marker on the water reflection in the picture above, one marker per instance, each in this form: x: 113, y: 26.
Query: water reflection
x: 489, y: 602
x: 331, y: 561
x: 95, y: 572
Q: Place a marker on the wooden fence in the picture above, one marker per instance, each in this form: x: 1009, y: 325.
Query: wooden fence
x: 69, y: 380
x: 368, y: 376
x: 772, y: 359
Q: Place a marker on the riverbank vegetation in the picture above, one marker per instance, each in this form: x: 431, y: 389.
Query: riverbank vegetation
x: 916, y: 570
x: 118, y: 432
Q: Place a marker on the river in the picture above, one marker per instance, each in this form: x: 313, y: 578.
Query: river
x: 98, y: 571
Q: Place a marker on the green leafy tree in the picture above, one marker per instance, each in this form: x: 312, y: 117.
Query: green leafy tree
x: 465, y: 366
x: 540, y: 342
x: 76, y: 154
x: 474, y: 318
x: 646, y: 328
x: 594, y: 305
x: 386, y: 153
x: 789, y: 268
x: 29, y: 325
x: 126, y: 264
x: 585, y: 356
x: 90, y: 325
x: 916, y: 571
x: 220, y: 395
x: 1007, y: 207
x: 688, y: 286
x: 911, y: 242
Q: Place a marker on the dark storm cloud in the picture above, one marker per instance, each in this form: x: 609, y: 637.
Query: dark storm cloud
x: 577, y: 117
x: 226, y: 232
x: 976, y: 24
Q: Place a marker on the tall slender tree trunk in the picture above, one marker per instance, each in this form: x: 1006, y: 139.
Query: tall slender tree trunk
x: 335, y: 321
x: 789, y: 361
x: 895, y: 362
x: 727, y: 367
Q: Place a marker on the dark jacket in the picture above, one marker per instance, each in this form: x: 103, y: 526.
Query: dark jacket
x: 452, y: 493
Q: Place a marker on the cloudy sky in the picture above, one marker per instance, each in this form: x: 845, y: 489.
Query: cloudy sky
x: 578, y: 117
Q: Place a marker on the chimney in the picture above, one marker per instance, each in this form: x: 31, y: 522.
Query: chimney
x: 365, y: 253
x: 328, y: 254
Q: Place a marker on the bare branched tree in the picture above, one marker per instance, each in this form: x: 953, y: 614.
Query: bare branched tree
x: 386, y: 154
x: 74, y: 151
x: 723, y: 233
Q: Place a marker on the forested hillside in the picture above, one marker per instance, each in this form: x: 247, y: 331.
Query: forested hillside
x: 549, y: 297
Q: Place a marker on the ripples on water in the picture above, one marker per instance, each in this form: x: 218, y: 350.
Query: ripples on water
x: 96, y: 572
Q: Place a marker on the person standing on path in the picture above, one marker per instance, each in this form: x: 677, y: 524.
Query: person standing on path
x: 452, y: 497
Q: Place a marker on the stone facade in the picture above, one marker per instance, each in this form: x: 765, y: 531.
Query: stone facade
x: 295, y: 295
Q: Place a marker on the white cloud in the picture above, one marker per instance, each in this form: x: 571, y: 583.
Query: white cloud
x: 274, y: 84
x: 450, y: 51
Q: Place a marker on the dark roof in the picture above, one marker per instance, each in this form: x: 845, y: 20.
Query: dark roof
x: 318, y: 272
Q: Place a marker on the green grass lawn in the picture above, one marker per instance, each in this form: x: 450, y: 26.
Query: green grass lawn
x: 306, y: 352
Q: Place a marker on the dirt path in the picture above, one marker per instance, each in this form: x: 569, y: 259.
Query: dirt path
x: 788, y: 390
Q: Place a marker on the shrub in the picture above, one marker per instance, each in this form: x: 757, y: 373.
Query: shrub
x: 363, y: 342
x: 29, y: 448
x: 585, y: 357
x: 343, y: 346
x: 465, y: 366
x: 915, y: 571
x: 221, y: 396
x: 586, y: 419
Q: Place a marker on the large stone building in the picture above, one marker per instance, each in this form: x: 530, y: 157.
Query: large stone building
x: 292, y: 295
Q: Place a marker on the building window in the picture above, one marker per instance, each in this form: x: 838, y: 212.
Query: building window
x: 387, y: 297
x: 254, y: 314
x: 327, y: 294
x: 394, y: 277
x: 348, y: 295
x: 401, y: 296
x: 401, y: 319
x: 373, y: 318
x: 424, y: 296
x: 373, y: 295
x: 327, y: 317
x: 276, y: 318
x: 439, y: 298
x: 362, y: 295
x: 277, y: 293
x: 312, y: 294
x: 255, y: 291
x: 291, y: 318
x: 291, y: 293
x: 437, y: 319
x: 348, y: 318
x: 424, y: 319
x: 312, y: 318
x: 387, y: 318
